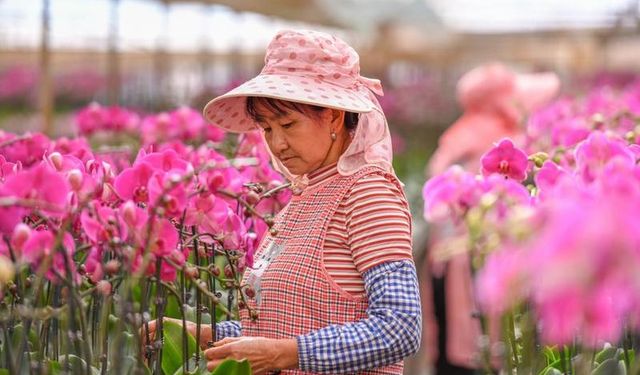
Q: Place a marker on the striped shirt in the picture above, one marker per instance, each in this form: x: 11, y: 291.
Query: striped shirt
x: 370, y: 226
x: 367, y: 251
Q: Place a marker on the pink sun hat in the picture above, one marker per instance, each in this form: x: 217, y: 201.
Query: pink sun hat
x: 494, y: 86
x: 302, y: 66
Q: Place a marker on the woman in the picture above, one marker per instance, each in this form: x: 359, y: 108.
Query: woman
x: 336, y: 287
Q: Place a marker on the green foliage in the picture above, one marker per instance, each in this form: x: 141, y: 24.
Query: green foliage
x: 172, y: 355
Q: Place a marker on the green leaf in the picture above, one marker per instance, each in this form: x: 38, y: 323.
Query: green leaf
x: 551, y: 354
x: 172, y: 349
x: 608, y: 353
x: 4, y: 371
x: 610, y: 367
x: 76, y: 363
x: 172, y: 310
x: 17, y: 337
x: 231, y: 367
x: 199, y: 368
x: 549, y: 370
x: 131, y: 366
x: 552, y: 368
x: 55, y: 368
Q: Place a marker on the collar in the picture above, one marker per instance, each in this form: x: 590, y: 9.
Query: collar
x: 322, y: 174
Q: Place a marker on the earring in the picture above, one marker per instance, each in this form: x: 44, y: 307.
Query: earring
x: 334, y: 136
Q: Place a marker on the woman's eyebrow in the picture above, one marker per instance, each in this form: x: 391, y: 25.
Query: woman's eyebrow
x: 274, y: 117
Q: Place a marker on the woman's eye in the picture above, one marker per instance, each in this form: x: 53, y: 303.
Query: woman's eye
x: 287, y: 125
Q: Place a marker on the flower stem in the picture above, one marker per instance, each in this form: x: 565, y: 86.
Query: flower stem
x: 198, y: 298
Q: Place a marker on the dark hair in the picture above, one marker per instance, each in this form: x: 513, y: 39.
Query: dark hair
x: 282, y: 107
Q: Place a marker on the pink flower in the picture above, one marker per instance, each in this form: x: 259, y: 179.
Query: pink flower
x: 172, y: 199
x: 102, y: 224
x: 164, y: 238
x: 157, y: 128
x: 450, y: 194
x: 207, y: 212
x: 27, y: 151
x: 134, y: 216
x: 509, y: 193
x: 132, y: 183
x: 93, y: 265
x: 548, y: 176
x: 95, y: 118
x: 593, y: 153
x: 561, y: 315
x: 41, y: 184
x: 40, y: 247
x: 10, y: 215
x: 233, y: 232
x: 503, y: 281
x: 605, y: 314
x: 78, y: 147
x: 163, y: 245
x: 7, y: 169
x: 569, y: 131
x: 506, y: 160
x: 165, y: 161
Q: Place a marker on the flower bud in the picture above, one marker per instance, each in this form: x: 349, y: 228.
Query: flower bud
x: 56, y: 160
x: 7, y: 270
x: 249, y: 292
x: 630, y: 136
x: 597, y: 119
x: 228, y: 271
x: 129, y: 213
x: 20, y: 235
x: 75, y: 179
x: 90, y: 166
x: 252, y: 198
x: 258, y: 188
x: 106, y: 193
x: 268, y: 219
x: 108, y: 171
x: 214, y: 269
x: 112, y: 267
x: 191, y: 272
x: 539, y: 158
x: 104, y: 287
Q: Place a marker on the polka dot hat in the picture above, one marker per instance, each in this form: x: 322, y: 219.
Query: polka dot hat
x: 302, y: 66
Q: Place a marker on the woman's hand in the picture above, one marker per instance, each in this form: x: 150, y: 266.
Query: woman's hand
x: 205, y: 331
x: 263, y: 354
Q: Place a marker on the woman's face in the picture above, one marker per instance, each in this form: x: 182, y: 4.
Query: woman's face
x: 302, y: 143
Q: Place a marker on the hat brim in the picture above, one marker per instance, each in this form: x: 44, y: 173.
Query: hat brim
x: 228, y: 111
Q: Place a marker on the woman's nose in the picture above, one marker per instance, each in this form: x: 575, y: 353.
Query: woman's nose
x: 278, y: 142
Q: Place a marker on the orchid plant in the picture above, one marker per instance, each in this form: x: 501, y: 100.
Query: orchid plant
x: 550, y: 225
x: 94, y: 246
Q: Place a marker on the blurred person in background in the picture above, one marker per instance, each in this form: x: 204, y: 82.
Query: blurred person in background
x: 496, y: 102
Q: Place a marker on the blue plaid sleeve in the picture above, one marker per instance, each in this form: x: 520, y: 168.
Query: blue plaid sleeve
x: 228, y: 328
x: 391, y: 332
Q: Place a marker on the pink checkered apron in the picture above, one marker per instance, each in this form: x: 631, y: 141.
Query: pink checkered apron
x: 294, y: 293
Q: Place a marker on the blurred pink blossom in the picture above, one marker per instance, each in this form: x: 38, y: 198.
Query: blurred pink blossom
x: 592, y: 154
x: 450, y: 194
